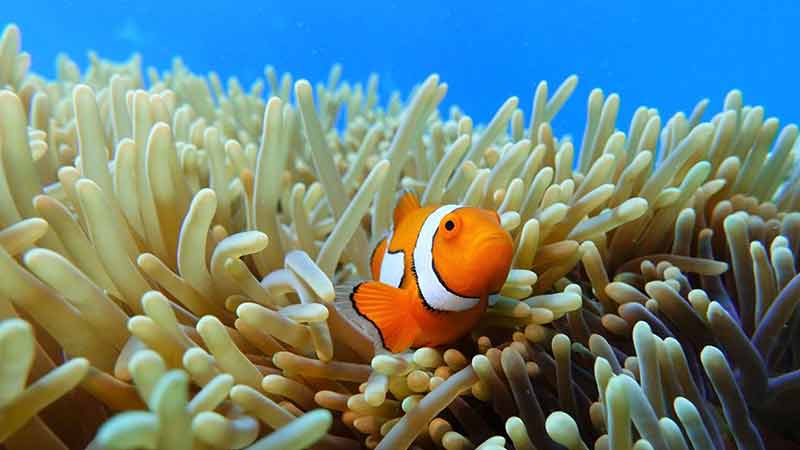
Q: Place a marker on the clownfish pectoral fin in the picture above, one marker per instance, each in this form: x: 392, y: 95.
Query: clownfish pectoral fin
x: 381, y: 312
x: 408, y: 202
x: 385, y: 306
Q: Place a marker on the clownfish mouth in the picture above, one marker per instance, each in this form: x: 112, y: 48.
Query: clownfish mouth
x: 494, y: 239
x: 494, y: 244
x: 495, y: 253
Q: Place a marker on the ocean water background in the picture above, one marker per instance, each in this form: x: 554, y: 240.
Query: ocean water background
x: 666, y: 55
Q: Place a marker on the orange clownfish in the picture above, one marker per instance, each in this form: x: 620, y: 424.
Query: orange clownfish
x: 431, y: 276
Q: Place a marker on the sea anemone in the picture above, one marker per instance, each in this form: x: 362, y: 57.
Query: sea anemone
x: 170, y: 251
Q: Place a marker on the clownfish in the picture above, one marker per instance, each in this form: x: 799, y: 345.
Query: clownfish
x: 432, y: 276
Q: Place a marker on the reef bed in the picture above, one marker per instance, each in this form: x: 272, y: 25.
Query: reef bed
x: 170, y: 248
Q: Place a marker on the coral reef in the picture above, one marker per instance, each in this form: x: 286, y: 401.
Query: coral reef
x: 169, y: 251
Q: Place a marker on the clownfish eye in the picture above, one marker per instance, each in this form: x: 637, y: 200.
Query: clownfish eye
x: 450, y: 225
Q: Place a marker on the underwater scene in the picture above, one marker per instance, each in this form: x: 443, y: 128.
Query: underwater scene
x: 399, y: 225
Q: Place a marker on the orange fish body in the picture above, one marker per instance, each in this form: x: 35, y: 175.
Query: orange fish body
x: 433, y: 274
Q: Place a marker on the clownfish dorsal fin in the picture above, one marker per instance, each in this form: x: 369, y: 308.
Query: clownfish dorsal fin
x: 407, y: 203
x: 386, y: 308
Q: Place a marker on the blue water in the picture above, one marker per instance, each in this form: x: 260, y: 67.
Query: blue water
x: 666, y: 55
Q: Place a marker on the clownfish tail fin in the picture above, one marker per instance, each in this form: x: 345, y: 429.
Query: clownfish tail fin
x: 381, y: 311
